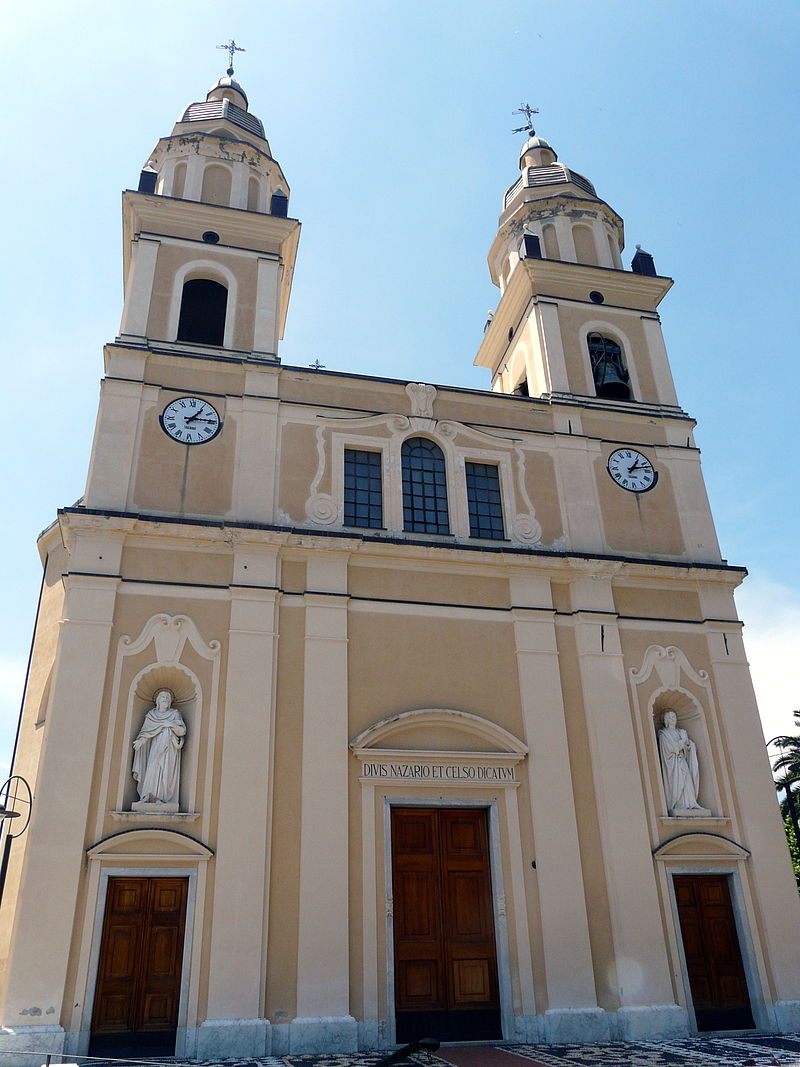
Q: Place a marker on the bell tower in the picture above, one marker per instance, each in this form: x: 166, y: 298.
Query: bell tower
x: 571, y: 321
x: 209, y: 248
x: 209, y: 251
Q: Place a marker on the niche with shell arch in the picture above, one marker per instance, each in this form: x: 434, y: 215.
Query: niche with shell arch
x: 188, y: 699
x: 692, y: 719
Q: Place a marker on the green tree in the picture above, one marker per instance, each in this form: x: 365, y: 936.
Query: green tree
x: 789, y: 760
x: 794, y: 847
x: 788, y: 764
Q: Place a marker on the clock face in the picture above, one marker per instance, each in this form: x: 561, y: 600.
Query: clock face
x: 190, y: 420
x: 631, y: 470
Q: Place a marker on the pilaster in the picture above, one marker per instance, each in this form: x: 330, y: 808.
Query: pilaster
x: 641, y: 966
x: 265, y: 339
x: 257, y: 447
x: 241, y: 901
x: 578, y: 492
x: 659, y: 360
x: 114, y: 445
x: 139, y: 288
x: 323, y: 965
x: 551, y: 348
x: 566, y: 242
x: 565, y: 928
x: 55, y: 849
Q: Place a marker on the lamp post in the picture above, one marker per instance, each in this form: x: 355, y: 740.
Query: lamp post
x: 16, y: 803
x: 789, y: 795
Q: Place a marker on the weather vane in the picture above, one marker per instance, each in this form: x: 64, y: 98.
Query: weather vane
x: 230, y: 48
x: 527, y: 111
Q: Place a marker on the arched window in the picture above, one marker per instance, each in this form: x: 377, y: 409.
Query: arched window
x: 611, y: 380
x: 203, y: 307
x: 424, y: 487
x: 253, y: 194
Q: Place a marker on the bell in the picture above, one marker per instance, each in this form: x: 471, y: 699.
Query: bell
x: 610, y: 377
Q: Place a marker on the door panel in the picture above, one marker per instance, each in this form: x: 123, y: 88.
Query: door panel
x: 445, y: 959
x: 139, y: 972
x: 713, y: 958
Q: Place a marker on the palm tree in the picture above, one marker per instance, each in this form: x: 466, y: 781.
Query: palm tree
x: 789, y: 760
x: 788, y: 763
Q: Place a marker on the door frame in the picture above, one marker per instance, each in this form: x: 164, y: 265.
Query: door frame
x: 746, y: 946
x: 97, y: 936
x: 490, y: 806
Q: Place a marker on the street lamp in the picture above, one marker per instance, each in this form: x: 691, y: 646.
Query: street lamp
x: 787, y: 786
x: 16, y: 804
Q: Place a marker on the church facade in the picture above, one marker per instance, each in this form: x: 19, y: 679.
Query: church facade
x: 362, y: 709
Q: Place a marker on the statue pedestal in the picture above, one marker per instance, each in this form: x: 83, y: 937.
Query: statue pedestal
x: 156, y: 809
x: 682, y: 813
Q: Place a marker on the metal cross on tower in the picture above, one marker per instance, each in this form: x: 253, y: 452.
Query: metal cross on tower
x: 230, y: 48
x: 527, y: 111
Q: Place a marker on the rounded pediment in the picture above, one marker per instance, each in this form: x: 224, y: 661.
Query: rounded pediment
x: 438, y: 730
x: 150, y: 842
x: 700, y: 846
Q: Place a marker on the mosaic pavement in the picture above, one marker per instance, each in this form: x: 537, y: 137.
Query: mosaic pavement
x: 743, y: 1050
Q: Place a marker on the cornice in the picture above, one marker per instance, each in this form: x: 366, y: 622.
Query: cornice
x: 217, y: 532
x: 151, y: 214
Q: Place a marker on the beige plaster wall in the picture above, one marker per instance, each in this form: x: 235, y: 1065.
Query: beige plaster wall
x: 214, y: 379
x: 668, y: 603
x: 436, y: 663
x: 298, y: 465
x: 184, y: 481
x: 172, y: 258
x: 641, y: 523
x: 412, y: 583
x: 573, y: 321
x: 542, y: 487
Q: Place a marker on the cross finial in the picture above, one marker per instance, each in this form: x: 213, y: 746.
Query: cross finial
x: 230, y: 48
x: 527, y: 111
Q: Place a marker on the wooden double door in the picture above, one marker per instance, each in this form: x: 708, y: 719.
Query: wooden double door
x: 139, y: 972
x: 713, y: 957
x: 445, y: 960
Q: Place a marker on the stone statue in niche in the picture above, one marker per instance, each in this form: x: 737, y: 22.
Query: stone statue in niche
x: 680, y: 768
x: 157, y: 756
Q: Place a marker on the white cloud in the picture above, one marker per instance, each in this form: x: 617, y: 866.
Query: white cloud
x: 771, y: 614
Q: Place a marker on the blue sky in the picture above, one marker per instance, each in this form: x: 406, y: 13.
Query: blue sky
x: 393, y: 125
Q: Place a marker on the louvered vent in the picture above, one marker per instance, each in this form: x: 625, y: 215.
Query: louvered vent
x: 223, y: 109
x: 555, y: 174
